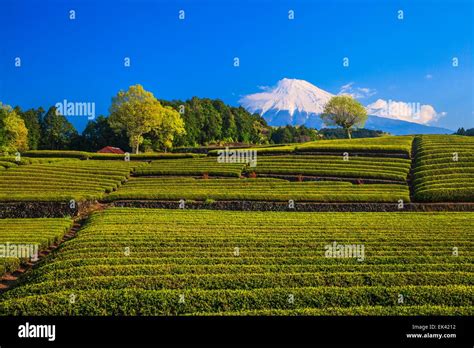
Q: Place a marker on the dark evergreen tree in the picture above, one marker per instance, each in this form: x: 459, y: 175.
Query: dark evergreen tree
x: 56, y: 131
x: 99, y: 134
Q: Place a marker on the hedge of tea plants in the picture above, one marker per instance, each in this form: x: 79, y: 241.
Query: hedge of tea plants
x: 63, y: 180
x: 191, y: 167
x: 257, y: 189
x: 335, y: 166
x: 444, y: 168
x: 103, y: 156
x: 387, y: 144
x: 17, y: 232
x: 12, y: 162
x: 180, y: 262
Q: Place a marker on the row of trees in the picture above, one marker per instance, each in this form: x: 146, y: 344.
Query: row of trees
x: 32, y: 129
x: 209, y: 121
x: 290, y: 134
x: 468, y: 132
x: 138, y: 121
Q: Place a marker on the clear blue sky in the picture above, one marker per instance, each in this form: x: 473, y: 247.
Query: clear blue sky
x: 82, y: 60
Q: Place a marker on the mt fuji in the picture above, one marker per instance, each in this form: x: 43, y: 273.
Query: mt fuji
x: 298, y: 102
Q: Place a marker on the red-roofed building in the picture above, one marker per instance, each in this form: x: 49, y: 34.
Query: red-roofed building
x: 111, y: 149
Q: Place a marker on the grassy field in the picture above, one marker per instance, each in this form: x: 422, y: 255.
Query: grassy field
x: 259, y: 189
x: 175, y: 262
x: 39, y: 232
x: 444, y: 169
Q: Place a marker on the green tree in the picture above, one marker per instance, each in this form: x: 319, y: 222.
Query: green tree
x: 138, y: 112
x: 211, y: 121
x: 229, y: 127
x: 32, y: 119
x: 56, y: 131
x: 99, y: 134
x: 13, y: 132
x: 282, y: 135
x: 344, y: 111
x: 171, y: 124
x: 461, y: 131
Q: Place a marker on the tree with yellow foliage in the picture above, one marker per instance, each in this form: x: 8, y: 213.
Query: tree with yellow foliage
x: 138, y: 112
x: 13, y: 132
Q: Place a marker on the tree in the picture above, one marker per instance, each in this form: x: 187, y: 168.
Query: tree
x: 138, y: 112
x: 13, y: 132
x: 171, y: 124
x: 212, y: 130
x: 282, y: 135
x: 467, y: 132
x: 99, y: 134
x: 290, y: 134
x: 344, y: 111
x: 251, y: 128
x: 56, y: 131
x: 229, y: 128
x: 32, y: 119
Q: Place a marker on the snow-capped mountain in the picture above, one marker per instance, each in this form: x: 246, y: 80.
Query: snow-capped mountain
x: 298, y: 102
x: 291, y: 101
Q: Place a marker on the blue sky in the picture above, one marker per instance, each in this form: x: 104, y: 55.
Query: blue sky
x: 407, y: 60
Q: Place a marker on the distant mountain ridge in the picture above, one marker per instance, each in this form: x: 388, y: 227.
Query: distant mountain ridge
x: 298, y: 102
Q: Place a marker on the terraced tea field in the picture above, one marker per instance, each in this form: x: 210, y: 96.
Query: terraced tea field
x: 393, y: 144
x: 435, y: 176
x: 191, y: 167
x: 259, y: 189
x: 19, y: 235
x: 177, y: 262
x: 201, y: 262
x: 63, y: 180
x: 104, y: 156
x: 11, y: 161
x: 387, y: 144
x: 335, y: 166
x: 444, y: 169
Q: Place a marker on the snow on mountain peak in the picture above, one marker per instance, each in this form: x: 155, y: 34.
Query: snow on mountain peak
x: 298, y: 102
x: 289, y: 95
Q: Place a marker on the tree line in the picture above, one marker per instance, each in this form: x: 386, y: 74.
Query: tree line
x: 138, y: 121
x: 468, y: 132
